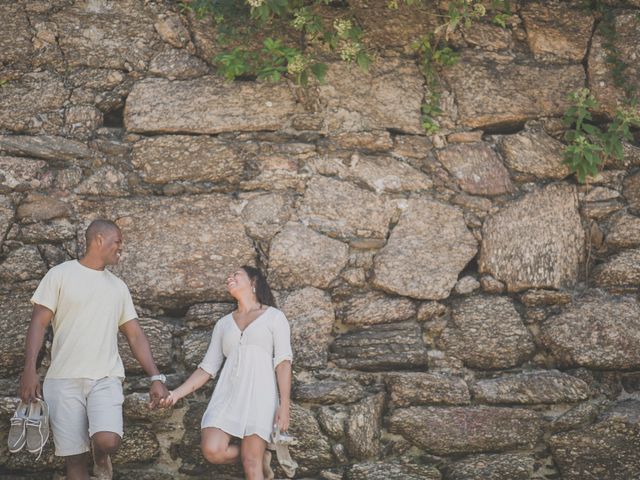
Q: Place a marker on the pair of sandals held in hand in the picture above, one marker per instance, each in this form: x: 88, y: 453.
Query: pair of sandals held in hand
x: 30, y: 427
x: 280, y: 442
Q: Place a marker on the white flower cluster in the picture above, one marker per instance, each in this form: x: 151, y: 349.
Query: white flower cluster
x: 299, y: 21
x: 297, y: 65
x: 342, y: 26
x: 479, y: 10
x: 349, y: 51
x: 255, y: 3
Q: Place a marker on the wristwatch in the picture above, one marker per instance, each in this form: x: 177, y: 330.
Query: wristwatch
x: 160, y: 378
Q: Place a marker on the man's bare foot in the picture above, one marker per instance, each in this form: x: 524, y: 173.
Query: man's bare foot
x: 104, y: 471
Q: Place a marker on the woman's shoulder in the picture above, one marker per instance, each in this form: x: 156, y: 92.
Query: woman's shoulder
x: 224, y: 320
x: 276, y: 314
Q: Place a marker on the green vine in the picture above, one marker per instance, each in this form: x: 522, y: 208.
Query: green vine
x: 589, y: 146
x: 434, y: 51
x: 274, y: 59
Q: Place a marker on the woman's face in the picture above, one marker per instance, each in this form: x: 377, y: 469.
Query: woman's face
x: 238, y: 283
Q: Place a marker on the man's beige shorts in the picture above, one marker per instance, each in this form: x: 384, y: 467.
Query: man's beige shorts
x: 80, y: 407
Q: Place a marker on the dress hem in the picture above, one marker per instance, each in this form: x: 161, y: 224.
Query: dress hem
x: 225, y: 430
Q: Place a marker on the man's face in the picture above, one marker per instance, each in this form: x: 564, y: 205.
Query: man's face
x: 111, y: 246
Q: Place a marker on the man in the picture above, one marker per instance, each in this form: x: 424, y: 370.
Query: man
x: 86, y: 305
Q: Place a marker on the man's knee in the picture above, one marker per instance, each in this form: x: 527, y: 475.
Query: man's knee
x: 106, y: 442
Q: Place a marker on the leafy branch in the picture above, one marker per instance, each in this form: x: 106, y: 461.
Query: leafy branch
x: 589, y: 146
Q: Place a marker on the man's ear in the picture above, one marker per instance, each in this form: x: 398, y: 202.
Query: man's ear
x: 99, y: 240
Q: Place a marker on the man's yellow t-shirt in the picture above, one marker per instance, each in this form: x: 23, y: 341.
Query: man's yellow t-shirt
x: 88, y: 305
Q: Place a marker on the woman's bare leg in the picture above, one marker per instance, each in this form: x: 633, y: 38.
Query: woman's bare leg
x: 215, y: 446
x: 252, y: 451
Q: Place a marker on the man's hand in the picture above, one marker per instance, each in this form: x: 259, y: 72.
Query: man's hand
x: 30, y: 388
x: 157, y: 392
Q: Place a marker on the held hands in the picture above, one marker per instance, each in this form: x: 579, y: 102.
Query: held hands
x: 282, y: 417
x: 157, y: 393
x: 169, y: 401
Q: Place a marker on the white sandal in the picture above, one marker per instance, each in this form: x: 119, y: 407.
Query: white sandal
x: 280, y: 442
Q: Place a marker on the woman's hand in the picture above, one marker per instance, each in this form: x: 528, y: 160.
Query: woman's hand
x: 282, y: 417
x: 169, y: 401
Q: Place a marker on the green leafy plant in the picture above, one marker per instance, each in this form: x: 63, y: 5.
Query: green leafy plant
x: 435, y: 53
x: 588, y: 145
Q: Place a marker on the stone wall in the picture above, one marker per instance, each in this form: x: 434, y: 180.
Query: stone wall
x: 460, y: 307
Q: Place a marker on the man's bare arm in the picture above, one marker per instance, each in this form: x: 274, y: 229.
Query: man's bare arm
x: 30, y: 382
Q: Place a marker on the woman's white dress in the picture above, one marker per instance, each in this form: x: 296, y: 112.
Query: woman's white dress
x: 245, y: 399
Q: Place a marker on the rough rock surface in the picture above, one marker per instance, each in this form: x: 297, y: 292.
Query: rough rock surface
x: 139, y: 444
x: 14, y: 320
x: 33, y: 103
x: 323, y: 209
x: 447, y: 430
x: 514, y: 466
x: 159, y: 235
x: 557, y: 32
x: 477, y: 168
x: 392, y: 471
x: 487, y: 333
x: 301, y: 256
x: 207, y: 105
x: 421, y: 388
x: 171, y: 158
x: 374, y: 308
x: 632, y: 192
x: 378, y: 173
x: 46, y: 147
x: 498, y: 90
x: 381, y: 347
x: 311, y: 316
x: 328, y: 392
x: 22, y: 264
x: 598, y: 332
x: 20, y: 174
x: 625, y: 43
x: 536, y: 242
x: 16, y: 44
x: 363, y: 427
x: 313, y: 450
x: 533, y: 154
x: 622, y: 270
x: 101, y: 35
x: 426, y: 251
x: 388, y: 96
x: 624, y: 232
x: 531, y: 388
x: 607, y: 449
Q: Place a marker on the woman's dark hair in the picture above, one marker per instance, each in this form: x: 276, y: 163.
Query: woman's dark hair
x: 263, y: 291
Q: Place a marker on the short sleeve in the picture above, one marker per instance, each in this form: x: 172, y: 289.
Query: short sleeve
x: 48, y: 292
x: 281, y: 340
x: 214, y: 357
x: 128, y: 310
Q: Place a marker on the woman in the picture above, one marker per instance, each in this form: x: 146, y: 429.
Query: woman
x: 255, y: 340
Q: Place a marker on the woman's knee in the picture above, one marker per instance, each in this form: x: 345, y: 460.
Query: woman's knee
x: 214, y: 453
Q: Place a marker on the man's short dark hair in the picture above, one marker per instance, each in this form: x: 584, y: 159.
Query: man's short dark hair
x: 99, y: 227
